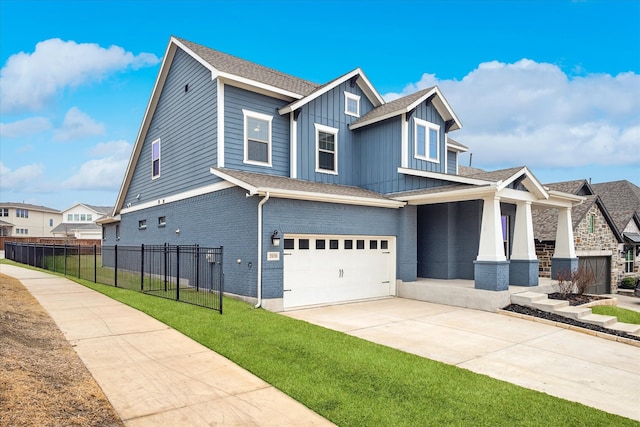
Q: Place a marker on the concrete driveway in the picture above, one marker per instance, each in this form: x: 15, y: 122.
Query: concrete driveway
x: 575, y: 366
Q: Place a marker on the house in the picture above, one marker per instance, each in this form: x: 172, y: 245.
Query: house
x: 596, y: 237
x: 622, y: 199
x: 79, y: 222
x: 322, y: 193
x: 27, y: 220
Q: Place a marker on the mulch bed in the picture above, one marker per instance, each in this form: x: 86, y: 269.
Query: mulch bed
x: 534, y: 312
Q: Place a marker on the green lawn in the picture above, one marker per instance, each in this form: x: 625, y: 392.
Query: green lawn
x: 624, y: 315
x: 353, y: 382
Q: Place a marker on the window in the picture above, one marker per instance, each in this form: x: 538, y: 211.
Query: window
x: 50, y: 222
x: 162, y: 221
x: 22, y: 213
x: 359, y: 244
x: 289, y: 243
x: 320, y: 243
x: 373, y: 244
x: 504, y: 219
x: 384, y: 244
x: 351, y: 104
x: 628, y: 259
x: 69, y: 217
x: 348, y: 244
x: 592, y: 223
x: 4, y: 211
x: 257, y: 138
x: 89, y: 217
x: 117, y: 231
x: 76, y: 217
x: 104, y: 233
x: 155, y: 159
x: 303, y: 244
x: 427, y: 138
x: 333, y: 244
x: 142, y: 224
x: 326, y: 149
x: 83, y: 217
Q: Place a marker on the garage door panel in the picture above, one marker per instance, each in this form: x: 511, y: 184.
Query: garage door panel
x: 327, y: 269
x: 601, y: 268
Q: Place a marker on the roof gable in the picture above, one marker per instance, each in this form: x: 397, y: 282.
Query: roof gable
x: 359, y: 78
x: 406, y: 105
x: 622, y: 199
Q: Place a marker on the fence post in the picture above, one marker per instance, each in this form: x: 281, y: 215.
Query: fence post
x: 79, y: 263
x: 165, y: 267
x: 178, y: 273
x: 65, y: 259
x: 221, y: 279
x: 95, y: 263
x: 115, y: 265
x: 197, y: 268
x: 142, y: 267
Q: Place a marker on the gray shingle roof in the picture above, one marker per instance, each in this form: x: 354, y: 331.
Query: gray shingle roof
x: 493, y: 176
x: 622, y: 199
x: 69, y: 227
x: 27, y: 206
x: 249, y: 70
x: 260, y: 180
x: 432, y: 190
x: 571, y: 187
x: 103, y: 210
x: 545, y: 221
x: 393, y: 106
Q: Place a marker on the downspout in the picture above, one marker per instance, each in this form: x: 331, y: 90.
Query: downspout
x: 262, y: 202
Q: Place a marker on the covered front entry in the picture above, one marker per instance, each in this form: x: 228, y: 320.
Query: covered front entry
x: 323, y: 269
x: 601, y: 268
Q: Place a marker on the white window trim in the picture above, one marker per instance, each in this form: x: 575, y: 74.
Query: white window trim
x: 419, y: 122
x: 334, y: 131
x: 347, y: 97
x: 159, y: 159
x: 246, y: 114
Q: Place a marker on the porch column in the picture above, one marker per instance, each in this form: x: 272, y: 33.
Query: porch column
x: 491, y: 268
x: 564, y: 257
x: 523, y: 268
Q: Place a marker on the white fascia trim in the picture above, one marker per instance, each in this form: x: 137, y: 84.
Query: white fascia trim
x: 250, y: 188
x: 220, y: 123
x: 441, y: 104
x: 353, y: 126
x: 146, y: 121
x: 108, y: 220
x: 443, y: 176
x: 255, y: 87
x: 530, y: 182
x: 475, y: 193
x: 254, y: 84
x: 180, y: 196
x: 369, y: 89
x: 214, y: 71
x: 456, y: 147
x: 330, y: 198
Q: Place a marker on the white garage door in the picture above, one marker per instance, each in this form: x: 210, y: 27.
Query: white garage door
x: 321, y: 269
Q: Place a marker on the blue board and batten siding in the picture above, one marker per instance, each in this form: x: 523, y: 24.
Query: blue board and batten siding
x: 426, y: 111
x: 185, y: 122
x: 329, y: 110
x: 235, y: 100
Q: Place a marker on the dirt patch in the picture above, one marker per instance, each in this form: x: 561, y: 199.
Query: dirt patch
x: 42, y: 380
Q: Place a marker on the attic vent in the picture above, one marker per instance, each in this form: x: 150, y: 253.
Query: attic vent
x: 186, y: 88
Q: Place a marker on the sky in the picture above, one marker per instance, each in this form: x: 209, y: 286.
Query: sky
x: 551, y: 85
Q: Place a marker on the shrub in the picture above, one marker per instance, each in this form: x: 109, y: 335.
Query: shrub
x: 576, y: 281
x: 628, y: 282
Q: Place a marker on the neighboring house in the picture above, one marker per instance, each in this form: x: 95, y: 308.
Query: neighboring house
x: 622, y: 199
x: 364, y: 195
x: 79, y: 221
x: 596, y: 237
x: 26, y: 220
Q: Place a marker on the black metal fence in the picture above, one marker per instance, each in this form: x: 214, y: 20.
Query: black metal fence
x: 191, y: 274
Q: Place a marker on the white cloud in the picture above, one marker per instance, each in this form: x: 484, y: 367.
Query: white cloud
x: 25, y: 177
x: 29, y: 80
x: 105, y: 172
x: 77, y: 125
x: 24, y: 127
x: 533, y: 114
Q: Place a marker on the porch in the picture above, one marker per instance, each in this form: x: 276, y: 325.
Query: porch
x: 463, y: 293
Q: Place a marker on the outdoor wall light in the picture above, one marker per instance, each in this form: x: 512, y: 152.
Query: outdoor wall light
x: 178, y: 231
x: 275, y: 240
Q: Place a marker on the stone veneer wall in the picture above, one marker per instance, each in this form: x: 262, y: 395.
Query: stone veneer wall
x: 602, y: 242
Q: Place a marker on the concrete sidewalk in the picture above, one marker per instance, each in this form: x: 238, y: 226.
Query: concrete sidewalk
x: 571, y: 365
x: 152, y: 374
